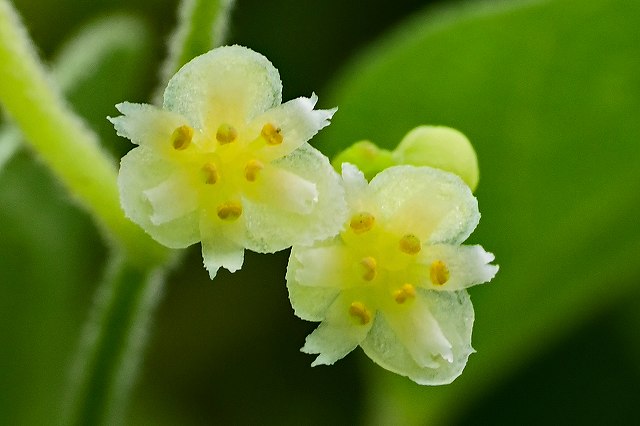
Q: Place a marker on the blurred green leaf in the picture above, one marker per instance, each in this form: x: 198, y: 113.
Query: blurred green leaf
x: 548, y: 92
x: 105, y: 62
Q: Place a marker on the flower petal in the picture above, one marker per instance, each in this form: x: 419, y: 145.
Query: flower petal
x: 283, y: 190
x: 419, y: 332
x: 221, y: 244
x: 146, y: 125
x: 453, y: 313
x: 271, y: 229
x: 143, y: 169
x: 465, y: 266
x: 172, y: 199
x: 322, y: 266
x: 309, y: 302
x: 296, y: 121
x: 436, y: 206
x: 230, y: 84
x: 357, y: 191
x: 337, y: 335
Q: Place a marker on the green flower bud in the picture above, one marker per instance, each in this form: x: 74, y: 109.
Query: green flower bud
x: 370, y: 159
x: 442, y: 148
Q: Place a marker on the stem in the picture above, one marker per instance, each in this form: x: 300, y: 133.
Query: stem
x: 63, y: 141
x: 112, y: 345
x: 202, y: 25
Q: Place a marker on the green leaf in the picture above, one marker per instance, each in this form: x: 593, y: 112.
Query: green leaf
x: 548, y: 93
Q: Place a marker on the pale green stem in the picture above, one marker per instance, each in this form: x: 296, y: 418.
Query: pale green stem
x: 112, y: 345
x: 63, y: 141
x: 202, y: 25
x: 9, y: 144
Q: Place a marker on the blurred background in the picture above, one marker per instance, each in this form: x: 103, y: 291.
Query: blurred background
x: 548, y: 93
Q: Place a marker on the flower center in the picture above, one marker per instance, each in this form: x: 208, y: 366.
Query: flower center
x: 407, y: 291
x: 210, y: 173
x: 369, y: 268
x: 410, y: 244
x: 252, y: 169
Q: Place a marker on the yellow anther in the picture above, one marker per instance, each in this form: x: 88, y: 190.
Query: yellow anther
x: 271, y: 134
x: 439, y: 272
x: 407, y: 291
x: 369, y: 266
x: 226, y: 134
x: 251, y: 170
x: 210, y: 173
x: 181, y: 137
x: 410, y: 244
x: 360, y: 312
x: 362, y: 222
x: 230, y: 211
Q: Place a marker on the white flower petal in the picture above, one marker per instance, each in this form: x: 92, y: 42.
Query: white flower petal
x: 453, y: 313
x: 297, y: 121
x: 172, y: 199
x: 337, y: 335
x: 221, y: 244
x: 322, y: 266
x: 309, y: 302
x: 357, y: 192
x: 283, y: 190
x: 271, y: 229
x: 466, y: 266
x: 143, y: 169
x: 436, y: 206
x: 419, y: 332
x: 230, y: 84
x: 146, y: 124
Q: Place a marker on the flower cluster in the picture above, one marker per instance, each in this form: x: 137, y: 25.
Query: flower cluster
x: 379, y: 264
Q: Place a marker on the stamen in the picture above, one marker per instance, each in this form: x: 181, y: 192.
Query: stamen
x: 407, y: 291
x: 230, y: 211
x: 181, y: 137
x: 271, y: 134
x: 359, y: 311
x: 362, y: 222
x: 251, y: 170
x: 410, y: 244
x: 439, y: 272
x: 226, y: 134
x: 369, y: 266
x: 210, y: 173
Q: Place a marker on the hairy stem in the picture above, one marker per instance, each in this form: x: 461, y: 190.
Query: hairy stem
x: 63, y: 141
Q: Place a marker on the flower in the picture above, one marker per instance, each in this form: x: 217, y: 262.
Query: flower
x: 393, y: 281
x: 225, y: 163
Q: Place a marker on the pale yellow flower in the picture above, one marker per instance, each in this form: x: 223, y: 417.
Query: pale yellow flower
x: 393, y: 281
x: 225, y: 163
